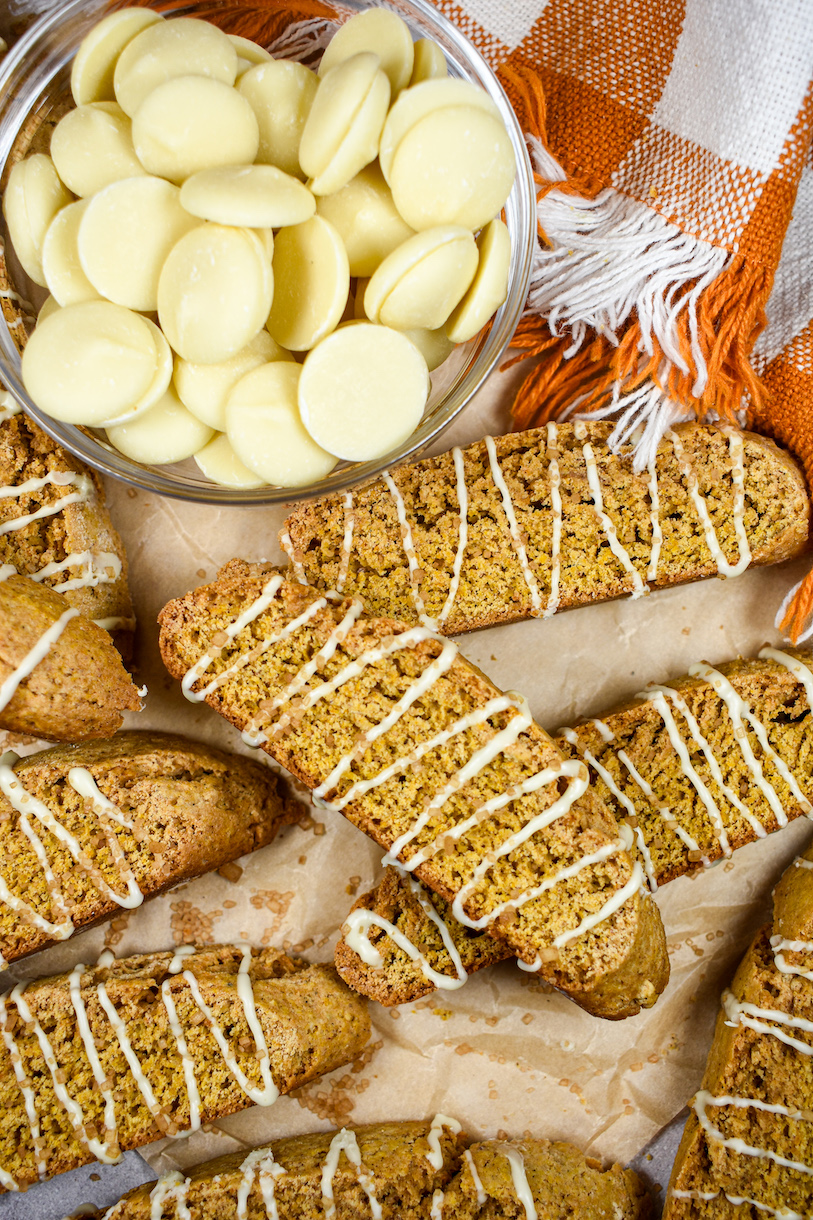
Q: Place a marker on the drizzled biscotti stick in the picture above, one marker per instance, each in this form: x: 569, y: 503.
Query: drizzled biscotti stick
x: 395, y: 1171
x: 55, y: 527
x: 747, y: 1148
x: 61, y: 678
x: 696, y: 768
x: 86, y: 831
x: 392, y: 727
x: 114, y: 1055
x: 527, y: 524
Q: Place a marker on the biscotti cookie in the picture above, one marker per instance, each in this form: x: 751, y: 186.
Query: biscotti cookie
x: 88, y: 830
x: 61, y: 677
x: 534, y: 522
x: 54, y: 525
x: 392, y: 727
x: 118, y: 1054
x: 395, y: 1171
x: 696, y: 768
x: 747, y: 1149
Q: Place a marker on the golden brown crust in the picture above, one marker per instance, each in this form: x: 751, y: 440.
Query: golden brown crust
x: 394, y: 1159
x: 26, y: 452
x: 310, y: 1021
x: 192, y: 810
x: 756, y: 1063
x: 79, y: 688
x: 492, y: 586
x: 311, y: 746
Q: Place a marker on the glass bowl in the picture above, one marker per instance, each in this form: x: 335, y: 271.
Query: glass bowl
x: 35, y: 91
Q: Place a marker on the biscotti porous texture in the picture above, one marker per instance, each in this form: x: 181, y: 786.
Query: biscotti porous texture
x: 153, y: 1045
x: 747, y: 1149
x: 78, y: 687
x: 399, y: 1171
x: 534, y: 522
x: 86, y: 830
x: 696, y: 769
x: 417, y: 748
x: 54, y: 525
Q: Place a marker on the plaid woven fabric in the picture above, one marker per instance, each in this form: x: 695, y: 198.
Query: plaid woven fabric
x: 669, y: 138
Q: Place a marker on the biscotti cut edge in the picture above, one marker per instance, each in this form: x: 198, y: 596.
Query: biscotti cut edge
x: 292, y: 1023
x: 611, y: 971
x: 188, y: 809
x: 534, y: 543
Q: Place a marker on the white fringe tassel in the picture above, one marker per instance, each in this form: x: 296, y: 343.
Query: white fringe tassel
x: 304, y: 39
x: 607, y: 257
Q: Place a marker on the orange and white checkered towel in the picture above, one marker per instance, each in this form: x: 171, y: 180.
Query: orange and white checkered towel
x: 669, y: 139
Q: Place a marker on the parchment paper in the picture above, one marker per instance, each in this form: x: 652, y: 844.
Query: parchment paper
x: 502, y: 1054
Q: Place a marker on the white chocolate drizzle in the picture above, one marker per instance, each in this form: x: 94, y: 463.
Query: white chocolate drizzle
x: 25, y: 1087
x: 435, y: 1154
x: 736, y: 449
x: 296, y: 563
x: 463, y: 535
x: 259, y: 1163
x: 607, y: 524
x: 172, y: 1187
x: 705, y: 1196
x: 522, y: 1187
x: 438, y: 1199
x: 9, y: 407
x: 347, y: 541
x: 415, y: 571
x: 799, y: 670
x: 117, y: 622
x: 513, y: 526
x: 476, y: 1180
x: 255, y: 734
x: 704, y: 1099
x: 740, y: 1012
x: 345, y: 1141
x: 555, y: 479
x: 34, y: 656
x: 655, y: 518
x: 781, y: 946
x: 58, y: 478
x: 95, y: 568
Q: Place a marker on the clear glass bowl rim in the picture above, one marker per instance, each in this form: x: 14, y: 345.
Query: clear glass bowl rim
x: 21, y: 88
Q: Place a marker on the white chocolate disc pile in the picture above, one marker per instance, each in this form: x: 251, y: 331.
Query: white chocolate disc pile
x: 177, y: 192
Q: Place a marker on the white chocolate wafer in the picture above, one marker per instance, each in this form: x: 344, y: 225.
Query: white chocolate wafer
x: 346, y: 108
x: 184, y: 46
x: 453, y: 167
x: 366, y: 219
x: 88, y: 362
x: 126, y: 234
x: 312, y: 280
x: 429, y: 62
x: 220, y: 463
x: 265, y: 428
x: 157, y: 387
x: 49, y: 305
x: 214, y: 293
x: 381, y: 31
x: 92, y: 146
x: 167, y: 432
x: 204, y: 388
x: 61, y: 267
x: 281, y: 94
x: 95, y: 61
x: 32, y: 198
x: 257, y: 196
x: 362, y: 391
x: 424, y: 99
x: 420, y: 283
x: 489, y: 287
x: 434, y: 345
x: 248, y: 52
x: 192, y: 123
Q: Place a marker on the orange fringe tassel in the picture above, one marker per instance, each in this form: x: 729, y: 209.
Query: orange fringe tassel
x: 730, y: 315
x: 800, y: 609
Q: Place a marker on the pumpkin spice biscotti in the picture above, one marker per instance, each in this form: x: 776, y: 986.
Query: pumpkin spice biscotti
x: 86, y: 831
x: 395, y: 1171
x: 61, y: 677
x: 392, y: 727
x: 527, y: 524
x: 696, y: 768
x: 55, y: 527
x: 118, y: 1054
x: 747, y: 1148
